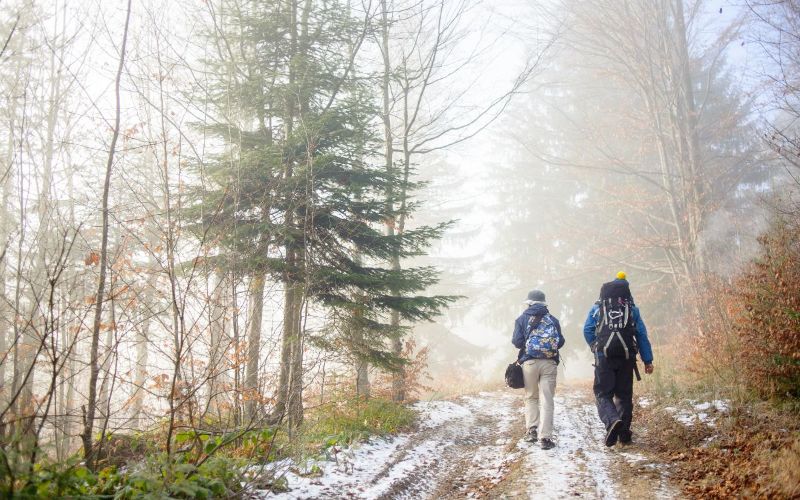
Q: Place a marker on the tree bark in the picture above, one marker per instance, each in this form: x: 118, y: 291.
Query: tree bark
x: 290, y: 390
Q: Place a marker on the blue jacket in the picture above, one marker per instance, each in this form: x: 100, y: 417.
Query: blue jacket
x: 641, y: 332
x: 521, y: 325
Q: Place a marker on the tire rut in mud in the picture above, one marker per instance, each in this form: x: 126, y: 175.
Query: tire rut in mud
x: 478, y: 453
x: 458, y: 445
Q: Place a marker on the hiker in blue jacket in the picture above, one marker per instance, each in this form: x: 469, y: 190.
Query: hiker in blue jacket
x: 615, y: 332
x: 537, y: 335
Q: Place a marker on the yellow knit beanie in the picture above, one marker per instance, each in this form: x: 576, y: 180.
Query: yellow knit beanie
x: 621, y: 275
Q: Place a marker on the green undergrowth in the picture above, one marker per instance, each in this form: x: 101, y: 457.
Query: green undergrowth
x: 205, y: 464
x: 330, y: 427
x: 343, y: 424
x: 154, y: 477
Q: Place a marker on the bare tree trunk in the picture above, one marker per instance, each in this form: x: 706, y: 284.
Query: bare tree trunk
x: 104, y: 401
x: 68, y: 399
x: 398, y: 379
x: 290, y: 381
x: 254, y: 347
x: 286, y: 358
x: 237, y: 369
x: 289, y: 403
x: 142, y: 339
x: 362, y: 377
x: 294, y: 410
x: 218, y: 373
x: 94, y: 367
x: 5, y: 239
x: 60, y: 419
x: 687, y: 124
x: 362, y: 365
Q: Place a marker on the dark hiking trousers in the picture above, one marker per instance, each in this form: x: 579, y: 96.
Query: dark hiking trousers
x: 613, y: 390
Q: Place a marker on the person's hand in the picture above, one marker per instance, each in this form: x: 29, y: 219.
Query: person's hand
x: 648, y: 369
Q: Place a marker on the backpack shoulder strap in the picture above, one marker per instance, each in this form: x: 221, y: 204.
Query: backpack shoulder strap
x: 600, y: 316
x: 533, y: 323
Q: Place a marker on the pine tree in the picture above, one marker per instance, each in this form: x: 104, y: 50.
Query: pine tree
x: 292, y: 195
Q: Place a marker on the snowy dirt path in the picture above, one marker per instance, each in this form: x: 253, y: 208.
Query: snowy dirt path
x: 470, y: 448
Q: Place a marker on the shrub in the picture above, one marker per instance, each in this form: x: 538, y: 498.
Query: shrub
x: 753, y: 324
x: 771, y: 322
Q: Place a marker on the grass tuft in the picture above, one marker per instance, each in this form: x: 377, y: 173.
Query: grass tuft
x: 355, y: 420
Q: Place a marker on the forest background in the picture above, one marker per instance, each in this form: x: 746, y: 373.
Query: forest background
x: 220, y: 218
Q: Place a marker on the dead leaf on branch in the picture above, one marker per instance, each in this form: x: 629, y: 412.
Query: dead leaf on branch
x: 92, y: 259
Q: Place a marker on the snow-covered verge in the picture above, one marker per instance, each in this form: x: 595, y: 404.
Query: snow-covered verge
x: 351, y: 470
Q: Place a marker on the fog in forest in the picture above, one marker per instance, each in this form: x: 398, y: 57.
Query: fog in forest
x: 224, y: 214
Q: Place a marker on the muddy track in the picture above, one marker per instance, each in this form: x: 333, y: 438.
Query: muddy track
x: 470, y: 447
x: 482, y: 456
x: 458, y: 447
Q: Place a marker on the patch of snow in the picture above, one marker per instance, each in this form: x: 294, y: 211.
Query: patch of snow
x: 644, y: 402
x: 578, y: 436
x: 489, y: 462
x: 423, y: 455
x: 718, y: 404
x: 704, y: 413
x: 435, y: 413
x: 499, y: 410
x: 370, y: 469
x: 349, y: 471
x: 632, y: 457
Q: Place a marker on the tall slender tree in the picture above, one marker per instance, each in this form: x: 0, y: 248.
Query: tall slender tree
x: 94, y: 363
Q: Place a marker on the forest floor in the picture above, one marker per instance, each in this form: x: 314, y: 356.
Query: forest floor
x: 471, y: 447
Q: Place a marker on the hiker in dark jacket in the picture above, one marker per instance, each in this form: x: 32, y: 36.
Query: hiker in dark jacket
x: 615, y: 332
x: 537, y: 335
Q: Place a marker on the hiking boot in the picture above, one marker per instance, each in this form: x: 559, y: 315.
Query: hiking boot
x: 531, y: 436
x: 625, y: 436
x: 547, y: 443
x: 613, y: 433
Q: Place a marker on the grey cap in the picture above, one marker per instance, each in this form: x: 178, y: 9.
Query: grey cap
x: 536, y: 296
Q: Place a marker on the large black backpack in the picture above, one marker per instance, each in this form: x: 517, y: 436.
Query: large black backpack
x: 616, y: 330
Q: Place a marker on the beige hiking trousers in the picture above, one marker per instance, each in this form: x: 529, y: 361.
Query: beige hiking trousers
x: 540, y: 387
